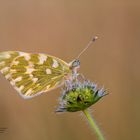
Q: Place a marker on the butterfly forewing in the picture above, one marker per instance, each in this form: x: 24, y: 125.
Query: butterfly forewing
x: 33, y: 74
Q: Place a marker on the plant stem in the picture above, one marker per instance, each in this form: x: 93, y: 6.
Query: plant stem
x: 93, y: 124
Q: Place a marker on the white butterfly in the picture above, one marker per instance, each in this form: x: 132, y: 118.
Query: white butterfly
x: 33, y: 74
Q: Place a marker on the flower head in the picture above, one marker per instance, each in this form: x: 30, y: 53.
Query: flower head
x: 79, y: 95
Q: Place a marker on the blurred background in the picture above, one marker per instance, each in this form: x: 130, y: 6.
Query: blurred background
x: 63, y: 28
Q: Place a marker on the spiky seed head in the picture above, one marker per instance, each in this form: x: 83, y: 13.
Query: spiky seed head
x: 79, y: 95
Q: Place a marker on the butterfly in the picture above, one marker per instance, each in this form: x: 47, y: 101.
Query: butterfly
x: 34, y: 73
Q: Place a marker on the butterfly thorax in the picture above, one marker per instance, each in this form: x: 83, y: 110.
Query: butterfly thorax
x: 74, y: 66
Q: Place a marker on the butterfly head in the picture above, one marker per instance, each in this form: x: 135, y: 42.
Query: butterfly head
x: 75, y: 64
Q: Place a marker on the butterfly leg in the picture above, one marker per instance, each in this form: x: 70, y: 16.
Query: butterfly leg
x: 81, y: 77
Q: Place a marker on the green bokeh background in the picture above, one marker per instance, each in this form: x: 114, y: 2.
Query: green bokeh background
x: 62, y: 28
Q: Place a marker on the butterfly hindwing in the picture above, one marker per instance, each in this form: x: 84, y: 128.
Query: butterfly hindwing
x: 32, y: 74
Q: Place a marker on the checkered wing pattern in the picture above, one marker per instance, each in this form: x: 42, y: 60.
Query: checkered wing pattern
x: 32, y: 74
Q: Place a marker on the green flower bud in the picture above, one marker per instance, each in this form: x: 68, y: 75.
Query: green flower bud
x: 78, y: 96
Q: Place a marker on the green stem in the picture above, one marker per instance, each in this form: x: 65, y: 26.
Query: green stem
x: 93, y: 124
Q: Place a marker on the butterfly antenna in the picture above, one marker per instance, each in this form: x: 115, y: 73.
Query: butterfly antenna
x: 88, y: 45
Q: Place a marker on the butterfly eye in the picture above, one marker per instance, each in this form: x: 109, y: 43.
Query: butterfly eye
x: 75, y: 63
